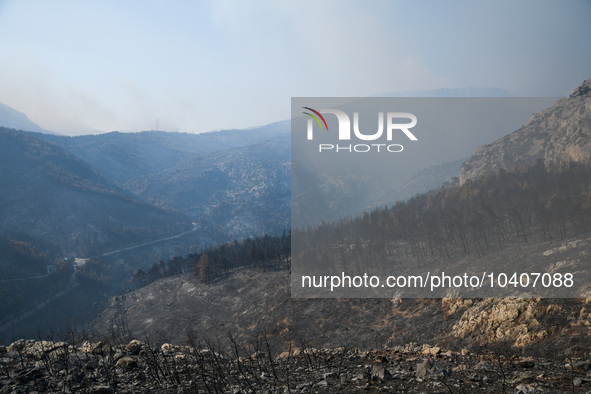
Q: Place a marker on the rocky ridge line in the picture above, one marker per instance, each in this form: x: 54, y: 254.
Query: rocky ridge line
x: 557, y: 135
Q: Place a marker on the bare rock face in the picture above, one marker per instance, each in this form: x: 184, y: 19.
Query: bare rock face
x: 519, y: 321
x: 556, y: 136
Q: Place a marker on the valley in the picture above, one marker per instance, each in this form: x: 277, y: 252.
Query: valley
x: 164, y: 261
x: 127, y: 201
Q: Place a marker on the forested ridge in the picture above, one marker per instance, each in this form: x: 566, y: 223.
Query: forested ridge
x: 481, y: 216
x: 21, y: 257
x: 476, y: 218
x: 267, y: 253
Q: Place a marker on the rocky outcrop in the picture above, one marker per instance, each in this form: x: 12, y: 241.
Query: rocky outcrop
x: 250, y: 303
x: 582, y: 91
x: 513, y: 320
x: 556, y: 136
x: 519, y: 322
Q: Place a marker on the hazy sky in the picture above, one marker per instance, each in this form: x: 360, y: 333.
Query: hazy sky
x: 76, y: 66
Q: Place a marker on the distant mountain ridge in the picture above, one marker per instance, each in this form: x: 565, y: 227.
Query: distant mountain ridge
x: 13, y: 119
x: 237, y: 180
x: 126, y: 156
x: 557, y: 136
x: 49, y: 194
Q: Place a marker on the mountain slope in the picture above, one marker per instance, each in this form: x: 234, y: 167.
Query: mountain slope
x: 51, y: 195
x: 126, y: 156
x: 251, y: 302
x: 14, y: 119
x: 245, y: 191
x: 557, y: 136
x: 431, y: 178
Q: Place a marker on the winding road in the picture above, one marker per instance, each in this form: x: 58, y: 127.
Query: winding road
x: 70, y: 284
x: 151, y: 242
